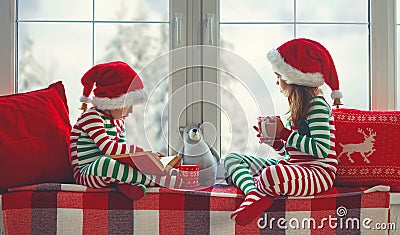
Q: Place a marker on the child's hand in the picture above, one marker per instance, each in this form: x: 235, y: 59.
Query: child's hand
x: 258, y: 131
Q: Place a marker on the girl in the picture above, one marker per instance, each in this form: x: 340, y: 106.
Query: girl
x: 100, y: 132
x: 301, y: 66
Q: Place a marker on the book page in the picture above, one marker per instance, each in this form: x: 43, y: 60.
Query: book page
x: 165, y: 160
x: 148, y: 162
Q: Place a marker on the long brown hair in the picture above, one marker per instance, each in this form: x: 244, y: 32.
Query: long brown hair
x: 299, y: 98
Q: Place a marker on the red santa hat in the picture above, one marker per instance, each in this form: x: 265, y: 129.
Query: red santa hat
x: 116, y: 86
x: 307, y: 63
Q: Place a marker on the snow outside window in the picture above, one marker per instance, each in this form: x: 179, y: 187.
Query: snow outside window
x: 56, y: 40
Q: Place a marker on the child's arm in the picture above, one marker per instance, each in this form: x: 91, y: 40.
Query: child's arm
x: 279, y: 146
x: 93, y: 125
x: 318, y: 144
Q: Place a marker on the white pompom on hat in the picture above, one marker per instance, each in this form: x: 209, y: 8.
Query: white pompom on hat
x: 307, y: 63
x: 117, y: 86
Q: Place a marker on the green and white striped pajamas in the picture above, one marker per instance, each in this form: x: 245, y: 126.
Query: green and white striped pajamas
x: 242, y: 168
x: 96, y: 136
x: 312, y: 165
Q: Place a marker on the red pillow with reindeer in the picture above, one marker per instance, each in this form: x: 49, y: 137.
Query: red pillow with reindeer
x: 367, y: 146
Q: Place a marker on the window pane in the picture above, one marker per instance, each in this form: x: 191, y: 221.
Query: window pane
x: 74, y: 51
x: 153, y: 10
x: 50, y: 52
x: 55, y: 10
x: 243, y: 97
x: 140, y: 45
x: 332, y: 11
x: 240, y: 109
x: 136, y: 43
x: 257, y: 10
x: 348, y: 45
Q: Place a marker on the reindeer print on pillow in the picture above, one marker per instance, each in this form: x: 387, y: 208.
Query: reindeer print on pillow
x: 366, y: 148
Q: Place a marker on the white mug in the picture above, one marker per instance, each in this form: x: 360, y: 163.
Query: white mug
x: 264, y: 122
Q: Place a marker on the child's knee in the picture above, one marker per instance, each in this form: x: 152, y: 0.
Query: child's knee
x: 105, y: 166
x: 101, y: 160
x: 268, y: 182
x: 268, y: 176
x: 232, y: 158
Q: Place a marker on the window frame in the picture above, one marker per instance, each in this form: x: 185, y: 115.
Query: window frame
x: 383, y: 66
x: 199, y: 22
x: 7, y: 47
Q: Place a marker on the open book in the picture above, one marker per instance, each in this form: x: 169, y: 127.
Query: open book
x: 148, y: 162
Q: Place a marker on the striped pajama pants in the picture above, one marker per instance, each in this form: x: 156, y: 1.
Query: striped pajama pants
x: 249, y: 173
x: 104, y: 171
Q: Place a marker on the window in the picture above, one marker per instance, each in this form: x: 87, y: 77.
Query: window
x: 341, y: 26
x: 53, y: 44
x: 56, y: 40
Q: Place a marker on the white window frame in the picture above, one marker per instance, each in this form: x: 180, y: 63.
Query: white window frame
x: 383, y: 34
x: 194, y: 22
x: 7, y: 47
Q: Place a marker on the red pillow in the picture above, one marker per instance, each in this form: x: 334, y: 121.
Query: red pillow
x: 34, y: 138
x: 367, y: 146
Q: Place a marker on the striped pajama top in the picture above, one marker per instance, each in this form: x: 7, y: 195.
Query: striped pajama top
x: 316, y: 148
x: 96, y: 134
